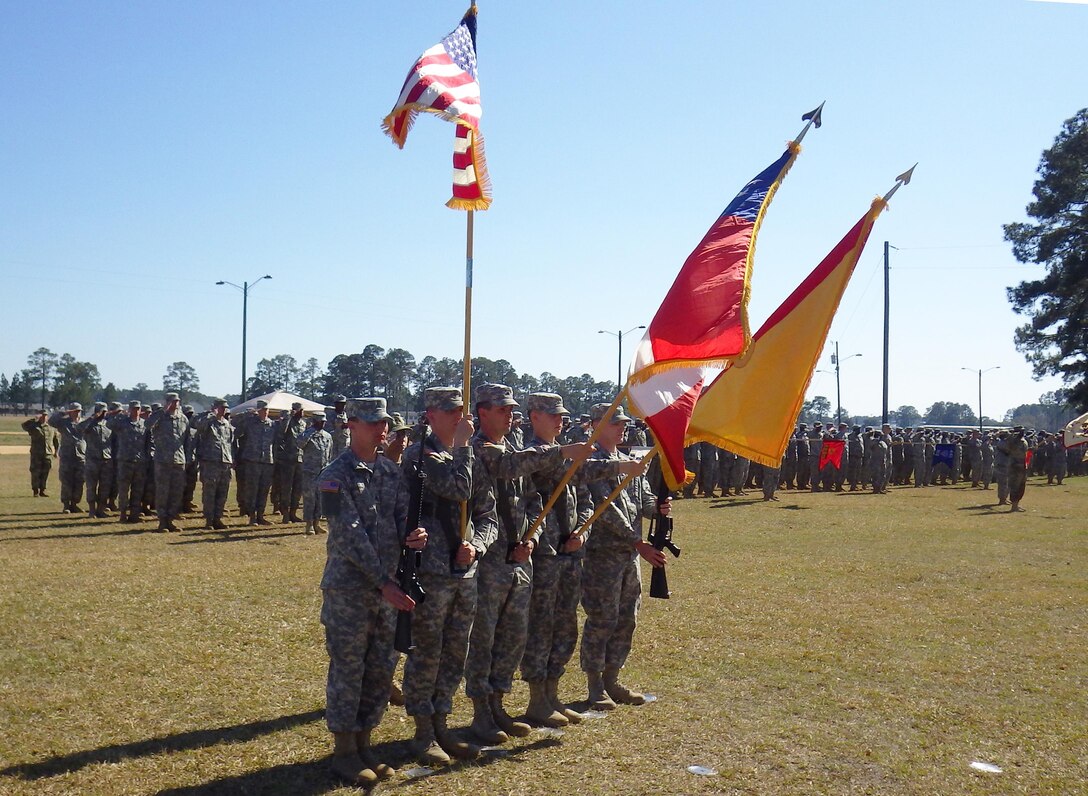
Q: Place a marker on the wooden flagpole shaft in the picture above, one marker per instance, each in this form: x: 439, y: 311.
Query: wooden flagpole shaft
x: 615, y: 494
x: 569, y: 474
x: 466, y: 372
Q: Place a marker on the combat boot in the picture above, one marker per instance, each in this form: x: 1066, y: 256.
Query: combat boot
x: 309, y: 528
x: 41, y: 492
x: 551, y: 688
x: 424, y: 745
x: 483, y: 723
x: 396, y: 696
x: 319, y: 528
x: 598, y: 697
x: 619, y: 692
x: 540, y: 710
x: 446, y: 739
x: 366, y: 752
x: 505, y: 722
x: 346, y: 762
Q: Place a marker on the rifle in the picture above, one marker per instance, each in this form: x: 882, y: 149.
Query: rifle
x: 411, y: 560
x: 660, y: 537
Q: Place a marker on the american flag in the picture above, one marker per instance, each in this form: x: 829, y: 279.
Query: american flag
x: 443, y: 81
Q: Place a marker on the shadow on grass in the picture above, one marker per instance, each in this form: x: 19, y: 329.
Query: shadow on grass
x: 180, y: 742
x: 730, y: 503
x: 237, y: 538
x: 313, y: 777
x: 45, y: 530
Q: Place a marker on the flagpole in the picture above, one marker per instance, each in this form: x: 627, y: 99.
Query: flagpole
x: 466, y: 372
x: 574, y: 465
x: 627, y: 479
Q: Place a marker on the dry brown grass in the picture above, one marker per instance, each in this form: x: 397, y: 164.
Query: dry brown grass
x: 841, y: 644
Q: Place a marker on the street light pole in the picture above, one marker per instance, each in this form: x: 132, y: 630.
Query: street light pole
x: 838, y: 390
x: 244, y: 287
x: 980, y: 372
x: 619, y: 353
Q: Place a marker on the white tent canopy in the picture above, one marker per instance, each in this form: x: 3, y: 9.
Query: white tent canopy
x: 1076, y: 432
x: 279, y: 400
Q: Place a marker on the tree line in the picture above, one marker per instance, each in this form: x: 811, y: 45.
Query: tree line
x: 52, y: 380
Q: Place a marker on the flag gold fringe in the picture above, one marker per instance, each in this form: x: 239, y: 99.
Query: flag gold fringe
x: 483, y: 179
x: 746, y: 295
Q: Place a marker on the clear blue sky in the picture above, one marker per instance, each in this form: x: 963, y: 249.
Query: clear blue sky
x: 148, y: 150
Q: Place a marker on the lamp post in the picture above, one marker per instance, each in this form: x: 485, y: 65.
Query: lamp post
x: 980, y: 372
x: 836, y: 360
x: 619, y: 356
x: 245, y: 288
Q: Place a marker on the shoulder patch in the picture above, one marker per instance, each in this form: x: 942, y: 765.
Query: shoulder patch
x: 329, y: 486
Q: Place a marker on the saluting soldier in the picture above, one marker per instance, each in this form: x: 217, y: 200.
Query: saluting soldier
x: 257, y: 435
x: 73, y: 452
x: 43, y: 449
x: 169, y: 429
x: 214, y: 451
x: 316, y: 446
x: 130, y: 432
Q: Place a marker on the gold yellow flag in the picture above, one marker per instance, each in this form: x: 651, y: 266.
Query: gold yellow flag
x: 752, y: 406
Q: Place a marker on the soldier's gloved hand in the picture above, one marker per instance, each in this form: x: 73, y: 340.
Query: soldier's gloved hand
x: 522, y: 551
x: 654, y: 556
x: 578, y: 451
x: 466, y: 554
x: 574, y: 542
x: 417, y: 539
x: 664, y: 507
x: 632, y: 468
x: 393, y: 595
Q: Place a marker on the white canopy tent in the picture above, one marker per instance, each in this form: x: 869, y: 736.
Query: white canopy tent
x: 279, y: 401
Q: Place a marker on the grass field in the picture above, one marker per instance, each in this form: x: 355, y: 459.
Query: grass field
x: 839, y: 644
x: 11, y: 432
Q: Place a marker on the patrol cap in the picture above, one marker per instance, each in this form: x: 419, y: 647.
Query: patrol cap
x: 219, y: 402
x: 74, y: 405
x: 802, y: 425
x: 135, y: 405
x: 495, y: 395
x: 171, y: 396
x: 549, y: 403
x: 115, y: 405
x: 187, y: 408
x: 857, y: 428
x: 99, y: 406
x: 817, y: 424
x: 1017, y: 428
x: 262, y: 404
x: 316, y: 417
x: 341, y: 399
x: 369, y: 410
x: 397, y: 423
x: 443, y: 398
x: 878, y: 434
x: 155, y: 407
x: 597, y: 411
x: 296, y: 405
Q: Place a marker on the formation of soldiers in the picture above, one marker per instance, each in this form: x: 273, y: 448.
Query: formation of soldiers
x: 876, y: 458
x: 503, y: 573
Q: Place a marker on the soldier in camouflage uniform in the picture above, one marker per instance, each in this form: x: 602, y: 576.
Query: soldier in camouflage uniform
x: 147, y: 502
x: 130, y: 432
x: 557, y: 564
x: 365, y: 498
x: 878, y: 463
x: 506, y: 570
x: 113, y: 412
x: 855, y: 449
x: 316, y: 446
x: 214, y: 443
x: 257, y: 435
x: 169, y: 429
x: 336, y: 424
x: 611, y: 587
x: 399, y: 439
x: 289, y: 458
x: 192, y: 464
x: 1015, y: 448
x: 43, y: 449
x: 441, y: 625
x: 73, y: 451
x: 691, y: 465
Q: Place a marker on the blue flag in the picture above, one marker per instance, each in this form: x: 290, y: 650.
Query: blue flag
x: 945, y: 453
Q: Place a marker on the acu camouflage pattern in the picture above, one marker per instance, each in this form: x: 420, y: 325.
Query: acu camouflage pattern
x: 611, y: 587
x: 503, y: 591
x: 441, y: 625
x: 43, y: 444
x: 71, y: 454
x: 316, y: 447
x: 367, y: 507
